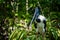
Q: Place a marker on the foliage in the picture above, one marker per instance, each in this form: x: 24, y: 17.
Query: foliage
x: 13, y: 17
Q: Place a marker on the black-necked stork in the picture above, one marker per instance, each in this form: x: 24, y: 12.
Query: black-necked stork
x: 40, y: 22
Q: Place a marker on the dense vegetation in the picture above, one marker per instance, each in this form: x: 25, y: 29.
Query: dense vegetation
x: 14, y: 17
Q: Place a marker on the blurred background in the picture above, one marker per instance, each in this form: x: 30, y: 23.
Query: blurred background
x: 15, y: 16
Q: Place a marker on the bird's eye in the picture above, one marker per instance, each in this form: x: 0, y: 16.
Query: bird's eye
x: 38, y: 20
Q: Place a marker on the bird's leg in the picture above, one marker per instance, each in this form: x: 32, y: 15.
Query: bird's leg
x: 43, y: 36
x: 37, y: 35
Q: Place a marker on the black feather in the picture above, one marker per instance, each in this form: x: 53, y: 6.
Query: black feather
x: 35, y: 24
x: 44, y: 21
x: 38, y: 20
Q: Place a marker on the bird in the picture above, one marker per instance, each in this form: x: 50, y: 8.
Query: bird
x: 39, y: 22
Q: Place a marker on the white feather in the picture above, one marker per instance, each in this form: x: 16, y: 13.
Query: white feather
x: 40, y: 26
x: 41, y: 18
